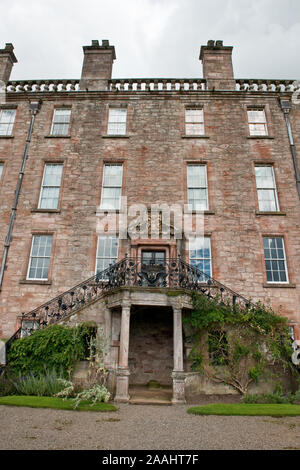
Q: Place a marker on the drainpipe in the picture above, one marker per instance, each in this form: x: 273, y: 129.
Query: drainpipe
x: 286, y: 107
x: 34, y: 107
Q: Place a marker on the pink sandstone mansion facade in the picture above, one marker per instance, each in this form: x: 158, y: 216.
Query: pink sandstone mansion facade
x: 221, y: 149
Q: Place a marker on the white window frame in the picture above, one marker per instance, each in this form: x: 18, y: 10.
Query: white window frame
x: 33, y: 257
x: 112, y: 258
x: 190, y: 123
x: 273, y: 189
x: 200, y: 241
x: 43, y: 186
x: 115, y: 118
x: 112, y: 186
x: 259, y: 123
x: 192, y: 207
x: 57, y: 122
x: 10, y: 124
x: 276, y: 259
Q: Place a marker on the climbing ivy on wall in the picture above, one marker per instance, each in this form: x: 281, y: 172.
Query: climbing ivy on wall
x: 57, y: 347
x: 237, y: 346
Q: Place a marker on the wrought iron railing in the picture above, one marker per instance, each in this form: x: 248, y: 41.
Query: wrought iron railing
x: 171, y: 273
x: 15, y: 336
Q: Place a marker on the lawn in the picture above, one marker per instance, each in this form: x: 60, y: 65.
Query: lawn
x: 55, y: 403
x: 246, y: 410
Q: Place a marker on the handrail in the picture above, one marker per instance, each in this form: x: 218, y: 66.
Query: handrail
x: 172, y: 273
x: 132, y: 272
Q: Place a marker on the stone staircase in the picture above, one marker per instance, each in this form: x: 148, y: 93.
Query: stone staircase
x: 172, y: 274
x: 145, y: 395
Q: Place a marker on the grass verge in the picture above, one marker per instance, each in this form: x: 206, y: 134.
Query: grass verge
x: 52, y: 402
x: 246, y: 410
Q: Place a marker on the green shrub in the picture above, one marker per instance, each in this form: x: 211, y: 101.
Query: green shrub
x: 56, y: 348
x: 41, y: 385
x: 251, y: 398
x: 244, y: 343
x: 270, y: 398
x: 6, y: 386
x: 96, y: 394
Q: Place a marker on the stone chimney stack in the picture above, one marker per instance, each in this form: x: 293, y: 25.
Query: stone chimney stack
x: 7, y: 60
x: 97, y: 65
x: 217, y: 66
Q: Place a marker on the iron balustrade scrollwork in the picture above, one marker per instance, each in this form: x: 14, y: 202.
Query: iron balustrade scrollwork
x: 171, y: 273
x: 9, y: 342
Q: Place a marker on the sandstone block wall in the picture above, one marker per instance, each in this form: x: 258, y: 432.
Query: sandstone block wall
x: 154, y: 154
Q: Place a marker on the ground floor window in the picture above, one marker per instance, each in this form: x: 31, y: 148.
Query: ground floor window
x: 275, y: 259
x: 200, y: 255
x: 107, y: 252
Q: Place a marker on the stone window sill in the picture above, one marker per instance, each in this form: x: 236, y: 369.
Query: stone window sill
x: 185, y: 136
x: 270, y: 213
x: 115, y: 136
x: 108, y: 211
x: 46, y: 211
x: 35, y: 281
x: 6, y: 136
x: 260, y: 137
x: 208, y: 212
x: 279, y: 286
x: 67, y: 136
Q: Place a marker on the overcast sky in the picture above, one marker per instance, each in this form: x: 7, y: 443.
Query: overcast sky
x: 153, y: 38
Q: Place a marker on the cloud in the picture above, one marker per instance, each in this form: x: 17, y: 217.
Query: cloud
x: 153, y: 38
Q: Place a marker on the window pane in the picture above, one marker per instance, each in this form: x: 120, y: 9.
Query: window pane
x: 117, y: 121
x: 61, y: 120
x: 196, y: 176
x: 194, y: 122
x: 40, y: 257
x: 256, y: 116
x: 50, y: 186
x: 200, y: 254
x: 267, y: 200
x: 197, y: 187
x: 258, y: 129
x: 266, y: 188
x: 194, y: 115
x: 275, y: 259
x: 112, y: 187
x: 1, y: 169
x: 7, y: 119
x: 107, y: 252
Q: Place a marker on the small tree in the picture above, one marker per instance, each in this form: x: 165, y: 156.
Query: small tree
x: 242, y: 343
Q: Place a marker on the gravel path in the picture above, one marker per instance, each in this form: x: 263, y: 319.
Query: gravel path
x: 136, y: 427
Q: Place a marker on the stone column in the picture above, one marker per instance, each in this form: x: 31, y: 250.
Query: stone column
x: 123, y: 373
x: 108, y: 334
x: 178, y: 375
